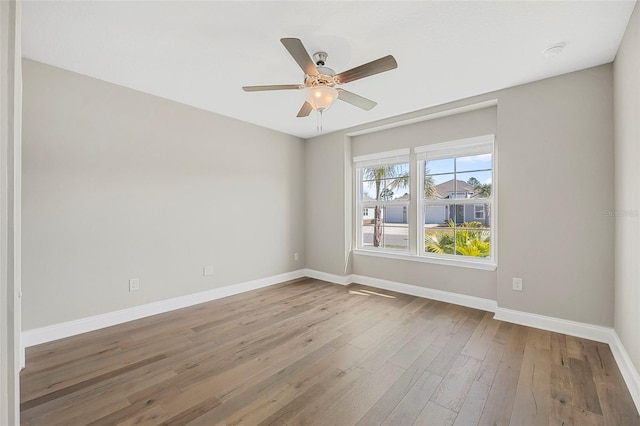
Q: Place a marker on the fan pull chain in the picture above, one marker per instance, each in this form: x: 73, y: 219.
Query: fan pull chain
x: 319, y: 122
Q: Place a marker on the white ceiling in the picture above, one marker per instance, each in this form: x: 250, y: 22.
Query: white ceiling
x: 201, y: 53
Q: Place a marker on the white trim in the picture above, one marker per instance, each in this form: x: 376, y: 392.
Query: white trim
x: 459, y: 201
x: 477, y: 145
x: 440, y: 114
x: 83, y: 325
x: 377, y: 156
x: 628, y: 370
x: 558, y: 325
x: 325, y: 276
x: 385, y: 203
x: 428, y: 293
x: 440, y: 260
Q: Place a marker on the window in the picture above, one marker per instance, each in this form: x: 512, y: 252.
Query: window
x: 383, y: 198
x: 450, y: 218
x: 456, y: 199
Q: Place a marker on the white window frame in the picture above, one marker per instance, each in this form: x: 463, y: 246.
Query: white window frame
x: 415, y: 209
x: 453, y: 149
x: 365, y: 161
x: 475, y: 212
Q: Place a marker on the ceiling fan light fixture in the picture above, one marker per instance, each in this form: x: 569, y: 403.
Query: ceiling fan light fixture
x: 320, y: 97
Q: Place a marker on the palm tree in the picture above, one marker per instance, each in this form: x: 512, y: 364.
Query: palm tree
x: 483, y: 190
x: 386, y: 194
x: 470, y: 239
x: 386, y: 178
x: 429, y: 186
x: 439, y: 242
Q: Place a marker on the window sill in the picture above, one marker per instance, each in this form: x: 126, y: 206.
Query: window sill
x: 424, y: 259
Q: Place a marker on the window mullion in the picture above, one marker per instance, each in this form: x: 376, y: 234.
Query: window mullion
x: 414, y: 200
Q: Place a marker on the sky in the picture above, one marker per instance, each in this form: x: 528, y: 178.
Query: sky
x: 477, y: 166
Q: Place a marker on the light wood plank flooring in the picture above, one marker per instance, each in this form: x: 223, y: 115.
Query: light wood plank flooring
x: 309, y: 352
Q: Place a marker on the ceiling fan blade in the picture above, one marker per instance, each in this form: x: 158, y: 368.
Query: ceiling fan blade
x: 357, y: 100
x: 273, y: 87
x: 305, y: 110
x: 300, y: 54
x: 374, y: 67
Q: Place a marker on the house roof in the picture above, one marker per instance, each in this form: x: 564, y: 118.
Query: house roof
x: 446, y: 189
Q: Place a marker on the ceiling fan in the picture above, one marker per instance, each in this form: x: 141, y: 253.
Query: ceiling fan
x: 320, y: 81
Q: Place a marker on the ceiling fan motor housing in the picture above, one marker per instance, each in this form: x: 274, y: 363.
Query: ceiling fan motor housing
x: 320, y: 58
x: 325, y: 74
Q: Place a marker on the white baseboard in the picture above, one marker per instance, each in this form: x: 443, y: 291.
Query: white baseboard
x: 72, y: 328
x: 428, y: 293
x: 324, y: 276
x: 628, y: 370
x: 558, y: 325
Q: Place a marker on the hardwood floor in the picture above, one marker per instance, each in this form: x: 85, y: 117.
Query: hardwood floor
x: 309, y: 352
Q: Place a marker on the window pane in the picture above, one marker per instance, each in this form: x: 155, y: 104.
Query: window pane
x: 439, y: 240
x: 473, y: 162
x: 443, y: 186
x: 477, y: 184
x: 430, y: 190
x: 435, y: 216
x: 386, y: 227
x: 466, y: 233
x: 473, y: 239
x: 386, y: 182
x: 438, y: 167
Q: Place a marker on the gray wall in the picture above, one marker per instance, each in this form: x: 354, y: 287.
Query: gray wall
x: 328, y: 189
x: 119, y: 184
x: 627, y: 189
x: 554, y: 144
x: 556, y: 183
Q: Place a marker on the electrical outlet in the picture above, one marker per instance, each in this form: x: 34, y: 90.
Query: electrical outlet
x: 517, y: 284
x: 295, y: 256
x: 134, y: 284
x: 208, y: 270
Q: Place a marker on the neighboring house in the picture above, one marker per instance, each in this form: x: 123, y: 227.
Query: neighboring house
x: 438, y: 215
x: 368, y: 214
x: 397, y: 214
x: 390, y: 214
